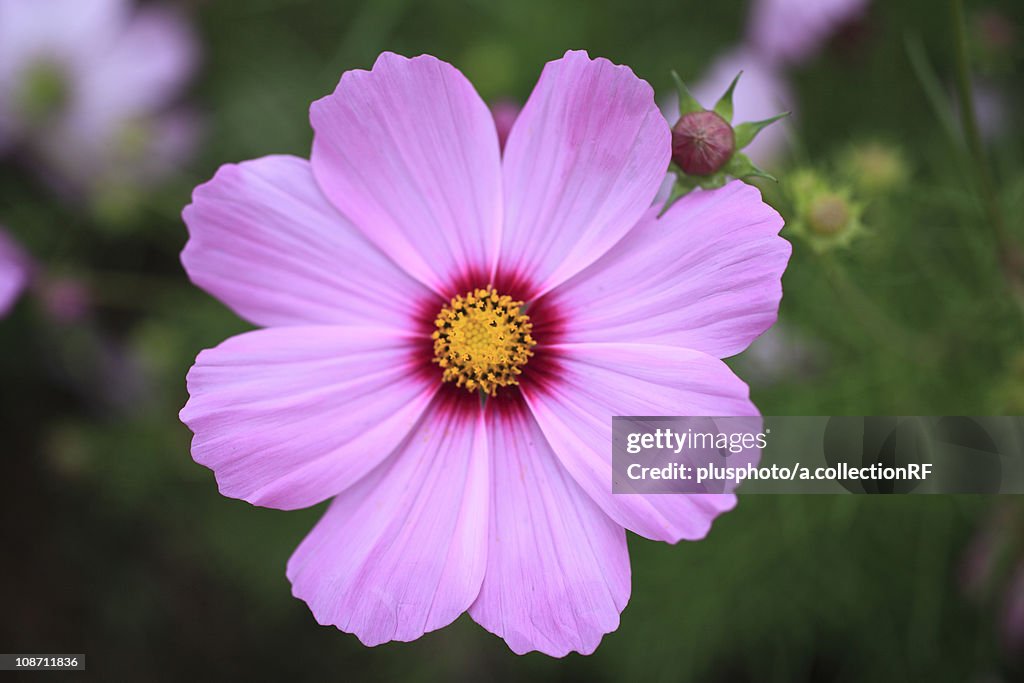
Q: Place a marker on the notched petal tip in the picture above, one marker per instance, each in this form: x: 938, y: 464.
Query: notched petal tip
x: 584, y: 55
x: 581, y: 165
x: 419, y: 128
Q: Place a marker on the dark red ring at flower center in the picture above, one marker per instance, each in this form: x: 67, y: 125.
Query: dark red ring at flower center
x: 544, y: 314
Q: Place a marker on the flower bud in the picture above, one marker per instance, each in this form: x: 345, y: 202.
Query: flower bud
x: 702, y: 143
x: 706, y: 146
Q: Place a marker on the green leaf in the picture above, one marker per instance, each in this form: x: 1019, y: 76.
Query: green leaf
x: 687, y: 102
x: 724, y: 106
x: 746, y: 132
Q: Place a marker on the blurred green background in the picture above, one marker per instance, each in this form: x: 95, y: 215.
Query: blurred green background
x: 115, y: 544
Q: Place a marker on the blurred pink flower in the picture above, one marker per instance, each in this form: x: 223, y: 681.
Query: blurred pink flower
x: 505, y: 113
x: 1013, y: 613
x: 788, y: 31
x: 389, y: 272
x: 65, y: 299
x: 85, y: 86
x: 15, y: 270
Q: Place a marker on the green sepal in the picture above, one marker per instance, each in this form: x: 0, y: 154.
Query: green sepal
x: 746, y: 132
x: 713, y: 182
x: 686, y: 183
x: 687, y: 102
x: 683, y: 185
x: 740, y: 166
x: 724, y: 105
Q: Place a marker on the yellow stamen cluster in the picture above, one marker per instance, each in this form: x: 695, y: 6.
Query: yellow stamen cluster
x: 482, y: 340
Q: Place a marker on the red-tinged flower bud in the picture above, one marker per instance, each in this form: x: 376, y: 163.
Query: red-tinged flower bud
x: 702, y: 143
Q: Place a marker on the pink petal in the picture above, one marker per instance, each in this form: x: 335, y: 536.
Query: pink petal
x: 287, y: 417
x: 265, y: 241
x: 557, y: 567
x: 409, y: 152
x: 706, y: 275
x: 593, y: 382
x: 583, y: 161
x: 403, y: 552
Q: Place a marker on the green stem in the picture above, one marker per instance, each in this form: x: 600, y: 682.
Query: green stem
x: 933, y: 90
x: 1011, y: 260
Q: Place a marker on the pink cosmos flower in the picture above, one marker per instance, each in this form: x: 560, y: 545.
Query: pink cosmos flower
x: 15, y: 269
x: 85, y: 86
x: 787, y: 31
x: 448, y: 332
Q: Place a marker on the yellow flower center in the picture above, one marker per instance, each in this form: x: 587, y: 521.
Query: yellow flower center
x: 482, y: 340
